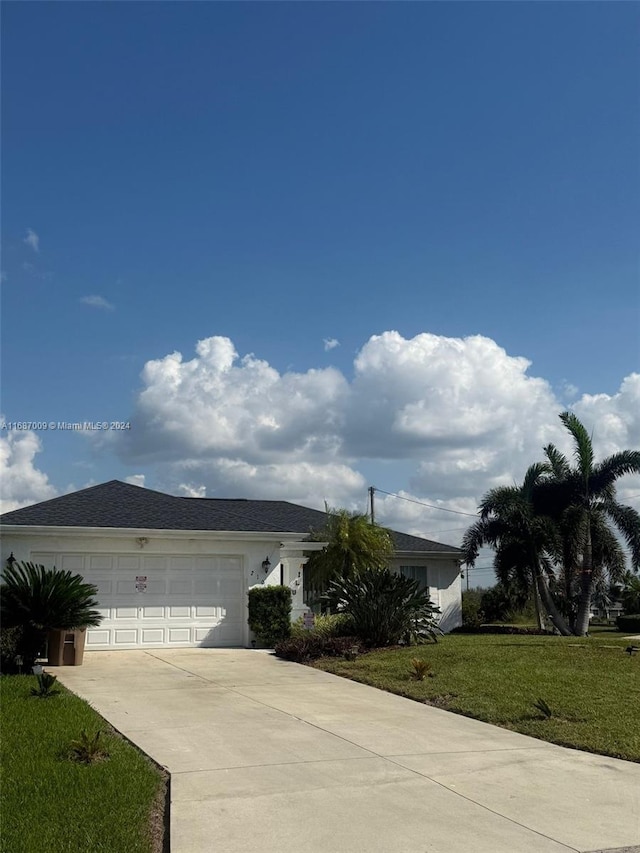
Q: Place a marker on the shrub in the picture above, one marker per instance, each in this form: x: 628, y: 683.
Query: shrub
x: 313, y: 646
x: 38, y: 599
x: 385, y: 607
x: 88, y: 749
x: 45, y: 688
x: 631, y: 595
x: 420, y: 669
x: 270, y: 613
x: 471, y: 610
x: 9, y: 649
x: 326, y: 625
x: 629, y: 623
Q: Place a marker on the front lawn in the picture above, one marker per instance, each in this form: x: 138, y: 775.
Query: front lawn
x: 53, y: 804
x: 590, y: 684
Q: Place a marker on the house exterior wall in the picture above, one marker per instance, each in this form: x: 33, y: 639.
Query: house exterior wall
x: 286, y: 556
x: 445, y: 589
x: 250, y: 549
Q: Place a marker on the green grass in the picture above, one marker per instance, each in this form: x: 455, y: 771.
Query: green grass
x: 591, y: 685
x: 53, y: 804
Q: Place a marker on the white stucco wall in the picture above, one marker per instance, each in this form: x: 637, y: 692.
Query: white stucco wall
x: 282, y: 550
x: 251, y: 548
x: 444, y: 584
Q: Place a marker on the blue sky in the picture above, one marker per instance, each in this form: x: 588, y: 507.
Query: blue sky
x: 284, y: 174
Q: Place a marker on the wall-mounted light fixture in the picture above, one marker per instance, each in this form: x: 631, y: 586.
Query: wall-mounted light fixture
x: 266, y: 565
x: 142, y: 541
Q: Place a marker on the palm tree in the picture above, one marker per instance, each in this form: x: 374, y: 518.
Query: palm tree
x: 353, y: 545
x: 582, y: 502
x: 37, y: 600
x: 526, y: 542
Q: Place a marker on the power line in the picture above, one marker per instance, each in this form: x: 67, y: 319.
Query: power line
x: 422, y: 503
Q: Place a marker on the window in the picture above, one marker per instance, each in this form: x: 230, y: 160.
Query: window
x: 416, y: 573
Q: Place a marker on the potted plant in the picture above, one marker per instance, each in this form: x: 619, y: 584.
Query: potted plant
x: 47, y: 604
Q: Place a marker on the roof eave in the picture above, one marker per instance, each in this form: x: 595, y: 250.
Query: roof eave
x: 124, y: 532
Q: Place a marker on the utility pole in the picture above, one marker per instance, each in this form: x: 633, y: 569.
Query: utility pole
x: 371, y: 493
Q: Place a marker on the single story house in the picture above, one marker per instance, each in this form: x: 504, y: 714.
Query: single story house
x: 174, y: 571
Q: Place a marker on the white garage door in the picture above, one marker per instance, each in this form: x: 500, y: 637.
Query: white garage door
x: 149, y: 601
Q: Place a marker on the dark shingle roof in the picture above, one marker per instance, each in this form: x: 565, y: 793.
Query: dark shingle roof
x: 121, y: 505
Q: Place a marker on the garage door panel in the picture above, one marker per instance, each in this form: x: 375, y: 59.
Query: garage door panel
x: 99, y: 562
x: 179, y: 635
x: 125, y: 637
x: 155, y: 636
x: 105, y: 585
x: 72, y: 563
x: 98, y: 637
x: 152, y: 612
x: 128, y: 563
x: 125, y: 613
x: 187, y: 600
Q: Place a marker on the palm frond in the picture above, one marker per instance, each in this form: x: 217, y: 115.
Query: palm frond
x: 627, y: 520
x: 583, y: 451
x: 558, y: 462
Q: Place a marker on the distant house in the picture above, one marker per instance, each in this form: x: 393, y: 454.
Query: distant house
x: 609, y: 613
x: 174, y: 571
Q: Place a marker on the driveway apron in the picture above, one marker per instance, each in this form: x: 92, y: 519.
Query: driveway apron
x: 270, y: 756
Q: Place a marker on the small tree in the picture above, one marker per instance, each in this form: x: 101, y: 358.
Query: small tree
x: 353, y: 545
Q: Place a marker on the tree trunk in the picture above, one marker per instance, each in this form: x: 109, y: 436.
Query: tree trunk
x: 536, y: 603
x: 554, y: 614
x: 581, y: 628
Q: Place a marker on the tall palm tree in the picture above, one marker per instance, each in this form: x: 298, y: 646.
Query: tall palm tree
x: 582, y: 501
x: 526, y: 542
x: 353, y: 544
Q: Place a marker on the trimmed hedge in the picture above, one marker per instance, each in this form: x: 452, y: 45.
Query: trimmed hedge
x: 630, y: 622
x: 314, y: 646
x: 270, y: 613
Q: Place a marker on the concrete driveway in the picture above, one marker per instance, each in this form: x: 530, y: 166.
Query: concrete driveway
x: 270, y: 756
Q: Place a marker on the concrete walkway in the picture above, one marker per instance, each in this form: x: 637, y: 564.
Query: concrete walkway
x: 270, y: 756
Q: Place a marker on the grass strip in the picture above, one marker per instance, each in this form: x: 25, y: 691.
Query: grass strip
x: 48, y: 802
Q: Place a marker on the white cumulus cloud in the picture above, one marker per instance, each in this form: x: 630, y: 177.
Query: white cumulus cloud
x: 21, y: 482
x: 135, y: 479
x: 330, y: 343
x: 456, y: 416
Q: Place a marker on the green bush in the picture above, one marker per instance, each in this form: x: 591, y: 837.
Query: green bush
x: 302, y: 649
x: 471, y: 607
x: 270, y: 613
x: 629, y: 623
x: 386, y: 607
x: 10, y: 639
x: 325, y: 625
